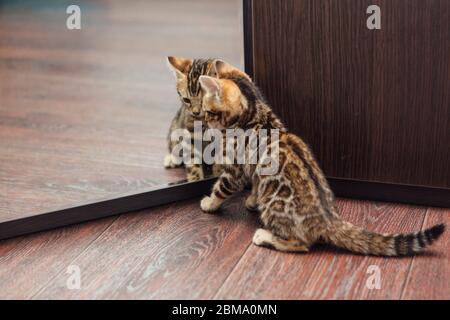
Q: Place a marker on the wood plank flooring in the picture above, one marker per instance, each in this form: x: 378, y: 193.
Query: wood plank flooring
x: 178, y: 252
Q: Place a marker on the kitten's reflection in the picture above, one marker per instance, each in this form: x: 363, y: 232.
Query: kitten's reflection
x: 187, y: 73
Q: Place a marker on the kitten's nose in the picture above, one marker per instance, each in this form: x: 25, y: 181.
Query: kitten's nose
x: 196, y: 113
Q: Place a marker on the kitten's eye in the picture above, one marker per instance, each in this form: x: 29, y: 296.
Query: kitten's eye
x: 187, y: 100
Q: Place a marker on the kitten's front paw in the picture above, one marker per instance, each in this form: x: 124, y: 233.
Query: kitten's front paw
x: 169, y: 162
x: 262, y: 238
x: 207, y: 204
x: 194, y: 174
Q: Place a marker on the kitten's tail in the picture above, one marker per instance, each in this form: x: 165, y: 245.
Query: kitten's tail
x: 348, y: 236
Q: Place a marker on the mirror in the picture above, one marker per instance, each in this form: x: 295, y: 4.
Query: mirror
x: 87, y: 97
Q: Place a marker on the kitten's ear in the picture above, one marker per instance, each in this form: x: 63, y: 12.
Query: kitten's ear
x: 179, y: 66
x: 210, y: 85
x: 223, y: 69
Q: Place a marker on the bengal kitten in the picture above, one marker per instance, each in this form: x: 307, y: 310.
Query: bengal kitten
x: 296, y: 204
x: 187, y: 72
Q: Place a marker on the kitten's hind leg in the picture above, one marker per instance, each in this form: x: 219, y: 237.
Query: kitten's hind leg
x: 265, y: 238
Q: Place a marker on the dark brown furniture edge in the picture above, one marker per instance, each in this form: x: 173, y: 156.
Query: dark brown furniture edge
x: 390, y: 192
x: 248, y: 36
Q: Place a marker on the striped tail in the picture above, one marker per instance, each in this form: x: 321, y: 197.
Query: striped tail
x: 348, y: 236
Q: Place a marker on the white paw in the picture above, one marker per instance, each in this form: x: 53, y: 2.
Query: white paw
x: 262, y: 237
x: 169, y: 161
x: 207, y: 205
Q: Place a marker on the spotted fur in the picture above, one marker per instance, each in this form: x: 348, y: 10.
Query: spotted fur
x: 296, y: 204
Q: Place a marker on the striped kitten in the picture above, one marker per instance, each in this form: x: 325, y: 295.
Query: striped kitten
x: 296, y: 204
x: 187, y: 72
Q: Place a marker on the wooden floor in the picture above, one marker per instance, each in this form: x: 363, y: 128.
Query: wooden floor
x: 178, y: 252
x: 84, y: 114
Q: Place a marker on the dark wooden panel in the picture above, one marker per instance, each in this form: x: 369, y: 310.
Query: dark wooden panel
x: 325, y: 273
x: 374, y: 105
